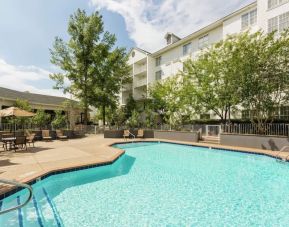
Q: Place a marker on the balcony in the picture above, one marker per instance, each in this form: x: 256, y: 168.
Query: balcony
x: 140, y: 82
x: 140, y: 69
x: 127, y: 87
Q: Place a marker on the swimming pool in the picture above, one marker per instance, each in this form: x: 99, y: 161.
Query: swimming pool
x: 161, y: 184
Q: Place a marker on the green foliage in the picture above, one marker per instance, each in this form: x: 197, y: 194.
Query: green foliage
x: 130, y: 106
x: 133, y: 121
x: 41, y: 118
x: 118, y: 117
x: 211, y: 81
x: 167, y: 100
x: 24, y: 105
x: 248, y: 70
x: 150, y: 118
x: 59, y: 120
x: 264, y: 73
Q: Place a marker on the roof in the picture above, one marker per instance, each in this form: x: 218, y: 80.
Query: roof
x: 31, y: 97
x: 204, y: 30
x: 139, y: 49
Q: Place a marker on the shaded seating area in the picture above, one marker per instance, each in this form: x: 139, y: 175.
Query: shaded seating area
x: 11, y: 142
x: 30, y: 138
x: 20, y: 143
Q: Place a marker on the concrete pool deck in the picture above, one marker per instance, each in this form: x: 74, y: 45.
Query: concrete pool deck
x: 47, y: 157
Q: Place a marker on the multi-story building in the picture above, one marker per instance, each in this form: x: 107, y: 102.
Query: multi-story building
x: 266, y: 15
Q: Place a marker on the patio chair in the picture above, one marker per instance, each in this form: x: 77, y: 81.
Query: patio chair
x: 5, y: 144
x: 46, y: 136
x: 60, y: 135
x: 126, y: 134
x: 140, y: 133
x: 20, y: 142
x: 30, y: 138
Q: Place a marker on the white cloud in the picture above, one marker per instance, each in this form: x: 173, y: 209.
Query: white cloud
x: 147, y: 21
x: 21, y: 78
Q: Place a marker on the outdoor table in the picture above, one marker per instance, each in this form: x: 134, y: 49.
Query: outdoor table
x: 8, y: 140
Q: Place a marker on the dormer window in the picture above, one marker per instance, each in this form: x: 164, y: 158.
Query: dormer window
x: 171, y: 38
x: 133, y: 54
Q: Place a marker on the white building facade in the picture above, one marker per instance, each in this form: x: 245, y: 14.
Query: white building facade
x: 267, y: 15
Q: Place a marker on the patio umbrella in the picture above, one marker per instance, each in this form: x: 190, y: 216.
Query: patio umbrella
x: 15, y: 112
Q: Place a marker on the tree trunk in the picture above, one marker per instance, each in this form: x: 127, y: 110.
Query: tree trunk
x: 103, y: 115
x: 85, y: 120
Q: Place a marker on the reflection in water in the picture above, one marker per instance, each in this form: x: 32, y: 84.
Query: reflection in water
x: 56, y: 184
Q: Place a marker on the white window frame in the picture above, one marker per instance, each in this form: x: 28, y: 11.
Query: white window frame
x: 187, y: 49
x: 278, y: 23
x: 249, y: 19
x: 271, y: 4
x: 203, y: 41
x: 158, y: 61
x: 158, y: 75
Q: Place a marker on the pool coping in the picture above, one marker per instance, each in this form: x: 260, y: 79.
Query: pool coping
x: 10, y: 190
x: 245, y: 150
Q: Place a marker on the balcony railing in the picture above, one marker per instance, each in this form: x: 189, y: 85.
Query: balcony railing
x: 127, y: 87
x: 140, y: 82
x: 140, y: 69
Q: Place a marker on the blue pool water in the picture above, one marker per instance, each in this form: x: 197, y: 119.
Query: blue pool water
x: 161, y: 184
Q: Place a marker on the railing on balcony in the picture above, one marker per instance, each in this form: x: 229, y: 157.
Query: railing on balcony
x: 140, y: 69
x: 140, y: 82
x: 127, y: 87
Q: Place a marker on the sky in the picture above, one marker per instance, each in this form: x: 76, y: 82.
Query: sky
x: 28, y: 29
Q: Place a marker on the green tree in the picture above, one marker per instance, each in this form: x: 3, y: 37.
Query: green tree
x: 130, y: 106
x: 77, y: 57
x: 134, y: 120
x: 118, y: 117
x: 24, y: 105
x: 211, y: 81
x: 111, y: 71
x: 166, y: 99
x: 59, y: 120
x: 264, y: 74
x: 41, y: 118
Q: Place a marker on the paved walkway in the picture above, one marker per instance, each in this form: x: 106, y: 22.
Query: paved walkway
x: 46, y: 157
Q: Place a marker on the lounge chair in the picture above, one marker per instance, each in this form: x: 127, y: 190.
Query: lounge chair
x: 60, y: 135
x: 140, y: 133
x: 20, y: 142
x: 30, y: 138
x: 46, y: 136
x: 126, y: 134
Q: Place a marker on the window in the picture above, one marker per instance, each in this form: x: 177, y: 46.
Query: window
x: 205, y: 116
x: 284, y: 112
x: 158, y: 61
x: 284, y: 21
x: 275, y: 3
x: 249, y: 19
x: 133, y: 54
x: 278, y: 23
x: 245, y: 21
x: 159, y: 75
x: 272, y: 3
x: 273, y: 24
x: 187, y: 49
x: 203, y: 41
x: 245, y: 114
